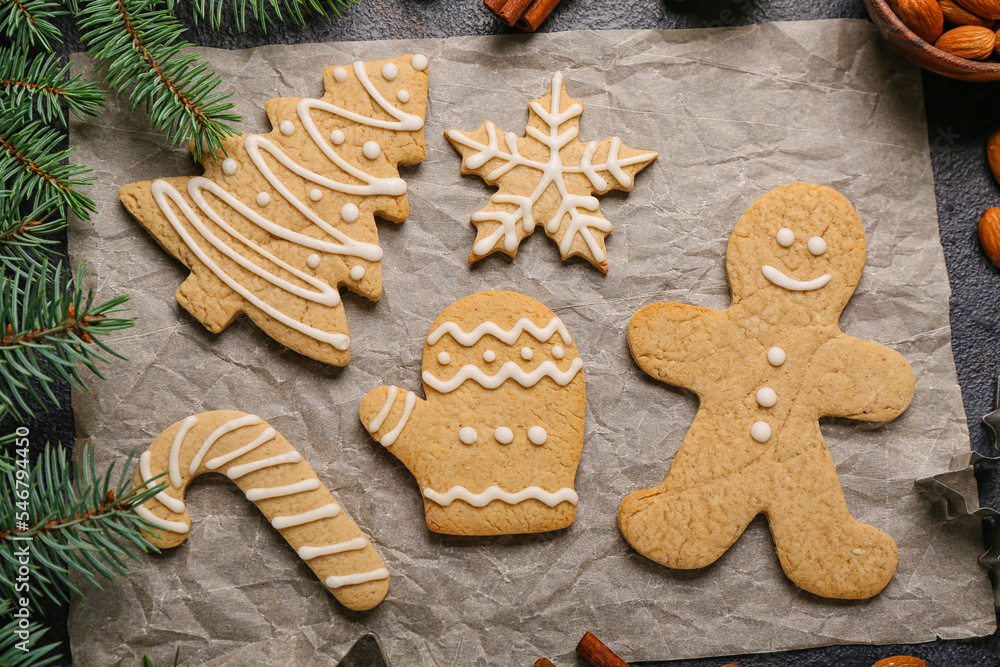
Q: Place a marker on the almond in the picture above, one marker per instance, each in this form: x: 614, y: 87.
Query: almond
x: 923, y: 17
x: 968, y: 41
x: 988, y: 9
x: 993, y: 153
x: 900, y: 661
x: 954, y: 13
x: 989, y: 234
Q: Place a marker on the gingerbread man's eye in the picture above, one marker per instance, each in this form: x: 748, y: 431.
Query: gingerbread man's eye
x: 785, y: 237
x: 817, y: 245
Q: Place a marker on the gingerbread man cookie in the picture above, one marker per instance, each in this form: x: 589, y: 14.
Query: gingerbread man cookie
x: 765, y: 370
x: 273, y: 476
x: 495, y: 446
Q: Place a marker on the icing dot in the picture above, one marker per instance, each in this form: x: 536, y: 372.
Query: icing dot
x: 504, y: 435
x: 287, y: 128
x: 785, y: 237
x: 558, y: 352
x: 357, y: 272
x: 229, y: 166
x: 537, y: 435
x: 766, y: 397
x: 526, y: 353
x: 419, y: 62
x: 315, y: 194
x: 776, y: 356
x: 339, y: 74
x: 349, y: 212
x: 467, y: 435
x: 263, y: 199
x: 371, y: 149
x: 389, y: 71
x: 337, y: 137
x: 489, y: 356
x: 312, y: 261
x: 760, y: 432
x: 403, y: 96
x: 817, y: 245
x: 444, y: 358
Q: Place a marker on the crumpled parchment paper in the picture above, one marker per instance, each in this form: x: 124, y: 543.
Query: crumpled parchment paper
x: 733, y: 114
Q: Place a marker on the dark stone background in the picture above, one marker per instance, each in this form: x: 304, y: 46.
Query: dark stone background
x: 960, y: 118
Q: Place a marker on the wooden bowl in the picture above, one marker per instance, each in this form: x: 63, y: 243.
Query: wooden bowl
x: 903, y: 40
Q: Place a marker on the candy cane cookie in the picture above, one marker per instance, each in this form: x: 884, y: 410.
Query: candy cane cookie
x: 273, y: 475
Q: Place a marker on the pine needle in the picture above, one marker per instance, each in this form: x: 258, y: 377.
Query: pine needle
x: 41, y: 82
x: 26, y: 23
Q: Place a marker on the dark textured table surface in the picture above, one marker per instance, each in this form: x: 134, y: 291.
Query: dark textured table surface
x: 960, y: 118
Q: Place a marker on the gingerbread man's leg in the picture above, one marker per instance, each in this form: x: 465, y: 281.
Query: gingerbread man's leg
x: 822, y: 548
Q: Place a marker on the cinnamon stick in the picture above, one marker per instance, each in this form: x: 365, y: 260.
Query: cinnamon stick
x: 526, y: 15
x: 597, y: 654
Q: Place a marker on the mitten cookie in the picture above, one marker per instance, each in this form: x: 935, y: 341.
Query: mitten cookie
x: 282, y: 485
x: 765, y: 371
x: 286, y: 218
x: 495, y: 446
x: 546, y: 178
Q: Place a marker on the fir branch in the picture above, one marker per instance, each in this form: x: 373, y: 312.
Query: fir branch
x: 79, y: 523
x: 139, y: 42
x: 36, y: 655
x: 265, y: 12
x: 26, y: 238
x: 48, y: 328
x: 42, y: 83
x: 26, y: 23
x: 30, y: 163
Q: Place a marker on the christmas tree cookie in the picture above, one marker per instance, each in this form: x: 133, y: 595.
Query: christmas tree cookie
x: 282, y: 220
x: 766, y: 370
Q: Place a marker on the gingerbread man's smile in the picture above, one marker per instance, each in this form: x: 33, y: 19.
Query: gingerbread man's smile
x: 789, y: 283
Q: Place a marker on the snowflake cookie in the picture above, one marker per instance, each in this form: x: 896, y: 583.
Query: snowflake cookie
x: 277, y: 226
x: 765, y: 371
x: 495, y: 445
x: 546, y: 178
x: 273, y: 475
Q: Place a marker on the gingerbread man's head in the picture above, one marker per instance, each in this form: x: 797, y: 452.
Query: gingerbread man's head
x: 801, y: 248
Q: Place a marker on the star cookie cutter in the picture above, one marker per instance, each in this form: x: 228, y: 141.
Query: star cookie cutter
x: 961, y: 505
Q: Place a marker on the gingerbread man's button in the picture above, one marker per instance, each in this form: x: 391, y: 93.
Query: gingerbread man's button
x: 776, y: 356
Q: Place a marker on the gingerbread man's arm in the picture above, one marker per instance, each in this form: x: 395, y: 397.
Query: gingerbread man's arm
x: 671, y: 340
x: 861, y: 380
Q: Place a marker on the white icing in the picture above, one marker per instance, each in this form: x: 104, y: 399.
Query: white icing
x: 308, y: 553
x: 339, y: 74
x: 403, y: 95
x: 263, y: 199
x: 489, y: 356
x: 228, y: 427
x: 390, y: 398
x: 324, y: 512
x: 334, y: 581
x: 766, y: 397
x: 349, y: 212
x: 371, y: 150
x: 337, y: 137
x: 444, y: 358
x: 282, y: 491
x: 171, y: 503
x: 315, y: 194
x: 504, y: 435
x: 175, y: 450
x: 776, y: 356
x: 467, y: 435
x: 357, y: 272
x: 508, y: 336
x: 785, y: 237
x: 287, y: 128
x: 239, y: 471
x: 760, y: 431
x: 265, y: 436
x: 526, y: 353
x: 312, y: 261
x: 389, y: 72
x: 496, y: 493
x: 389, y: 438
x: 537, y: 435
x: 509, y: 371
x: 558, y: 352
x: 172, y: 526
x: 229, y: 166
x: 419, y: 62
x: 816, y: 245
x: 553, y: 172
x: 781, y: 280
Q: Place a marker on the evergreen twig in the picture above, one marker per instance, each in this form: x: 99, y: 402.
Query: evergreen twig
x: 26, y: 23
x: 36, y: 655
x: 43, y: 83
x: 26, y: 238
x: 267, y: 13
x: 48, y: 328
x: 139, y: 42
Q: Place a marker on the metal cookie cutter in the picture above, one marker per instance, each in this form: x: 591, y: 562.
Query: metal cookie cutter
x: 961, y: 505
